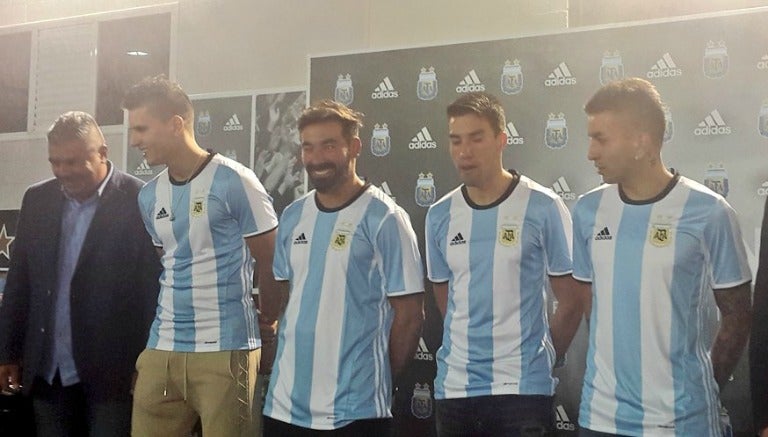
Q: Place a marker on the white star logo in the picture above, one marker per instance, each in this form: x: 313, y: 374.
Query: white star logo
x: 5, y: 242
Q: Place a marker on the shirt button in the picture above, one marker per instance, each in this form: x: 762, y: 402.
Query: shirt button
x: 42, y: 330
x: 49, y: 292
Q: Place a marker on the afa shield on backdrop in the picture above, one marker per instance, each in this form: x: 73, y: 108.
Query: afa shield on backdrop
x: 556, y: 132
x: 511, y: 77
x: 716, y: 179
x: 344, y: 92
x: 715, y: 62
x: 426, y: 87
x: 612, y: 68
x: 426, y: 194
x: 381, y: 143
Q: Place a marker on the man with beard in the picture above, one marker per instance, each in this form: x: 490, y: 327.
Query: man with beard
x: 354, y: 310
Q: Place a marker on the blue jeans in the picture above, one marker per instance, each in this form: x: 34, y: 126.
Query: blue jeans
x: 502, y: 415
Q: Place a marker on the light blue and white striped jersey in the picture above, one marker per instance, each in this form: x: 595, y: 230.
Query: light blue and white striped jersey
x: 205, y: 301
x: 496, y: 260
x: 332, y: 362
x: 650, y: 264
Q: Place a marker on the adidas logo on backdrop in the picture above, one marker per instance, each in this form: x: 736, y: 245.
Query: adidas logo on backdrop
x: 385, y: 90
x: 513, y: 136
x: 470, y: 83
x: 560, y: 76
x: 713, y: 124
x: 422, y: 140
x: 664, y: 67
x: 561, y: 188
x: 233, y: 124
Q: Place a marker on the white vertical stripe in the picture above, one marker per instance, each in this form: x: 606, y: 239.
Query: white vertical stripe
x: 656, y: 314
x: 507, y: 334
x: 164, y: 230
x: 333, y: 295
x: 204, y: 271
x: 459, y: 255
x: 609, y: 214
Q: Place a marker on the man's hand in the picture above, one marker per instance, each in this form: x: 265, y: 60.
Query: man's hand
x: 10, y: 378
x: 268, y: 333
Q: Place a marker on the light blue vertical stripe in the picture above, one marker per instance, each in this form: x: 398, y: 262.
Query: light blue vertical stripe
x: 536, y: 370
x: 363, y: 301
x: 686, y: 297
x: 182, y: 274
x: 480, y: 329
x: 441, y: 238
x: 283, y: 246
x: 231, y: 318
x: 627, y: 327
x: 583, y: 234
x: 307, y: 316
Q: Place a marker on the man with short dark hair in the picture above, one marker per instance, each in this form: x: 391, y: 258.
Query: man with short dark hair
x: 209, y: 216
x: 493, y: 245
x: 81, y: 289
x: 353, y: 318
x: 649, y: 243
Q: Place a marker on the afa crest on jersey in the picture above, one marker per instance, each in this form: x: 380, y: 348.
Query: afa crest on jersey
x: 509, y: 235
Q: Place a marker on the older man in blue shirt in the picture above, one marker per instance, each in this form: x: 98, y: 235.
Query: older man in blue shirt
x: 81, y: 289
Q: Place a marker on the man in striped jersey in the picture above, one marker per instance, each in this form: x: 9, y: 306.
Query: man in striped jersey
x: 354, y: 312
x: 652, y: 244
x: 208, y: 216
x: 493, y: 245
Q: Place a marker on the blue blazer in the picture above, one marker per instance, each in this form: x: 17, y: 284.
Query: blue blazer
x: 114, y: 288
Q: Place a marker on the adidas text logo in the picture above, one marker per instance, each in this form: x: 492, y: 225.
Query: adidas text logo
x: 385, y: 90
x: 422, y: 140
x: 301, y: 239
x: 562, y: 189
x: 713, y: 124
x: 763, y: 190
x: 458, y: 239
x: 422, y: 353
x: 233, y: 124
x: 604, y: 234
x: 562, y: 420
x: 664, y: 67
x: 762, y: 64
x: 161, y: 214
x: 513, y: 137
x: 143, y: 169
x: 560, y: 76
x: 470, y: 83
